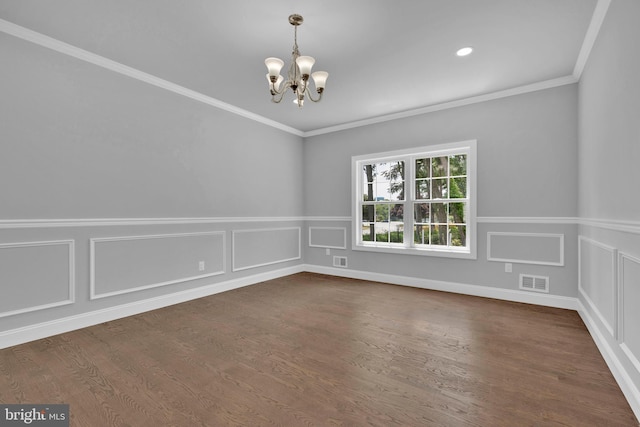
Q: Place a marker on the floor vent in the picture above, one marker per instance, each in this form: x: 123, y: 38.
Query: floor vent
x: 340, y: 261
x: 534, y: 283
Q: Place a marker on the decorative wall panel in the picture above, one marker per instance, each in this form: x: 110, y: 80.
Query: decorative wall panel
x: 131, y: 263
x: 628, y: 297
x: 36, y: 276
x: 597, y: 280
x: 328, y: 237
x: 526, y: 248
x: 266, y: 246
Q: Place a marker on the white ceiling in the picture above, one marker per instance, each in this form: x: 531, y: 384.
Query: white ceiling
x: 383, y: 57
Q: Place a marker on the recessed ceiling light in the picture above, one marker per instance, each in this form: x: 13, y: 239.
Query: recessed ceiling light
x: 464, y: 51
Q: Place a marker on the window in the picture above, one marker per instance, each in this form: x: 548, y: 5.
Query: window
x: 419, y: 201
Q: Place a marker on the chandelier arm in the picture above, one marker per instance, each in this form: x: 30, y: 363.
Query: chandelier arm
x: 308, y: 92
x: 273, y: 90
x: 277, y: 99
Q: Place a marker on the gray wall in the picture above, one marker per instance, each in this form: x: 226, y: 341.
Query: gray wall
x: 527, y: 163
x: 137, y: 187
x: 609, y: 206
x: 79, y: 141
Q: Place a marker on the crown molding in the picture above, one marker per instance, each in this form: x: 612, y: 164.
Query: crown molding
x: 547, y: 84
x: 84, y: 55
x: 590, y: 37
x: 78, y: 53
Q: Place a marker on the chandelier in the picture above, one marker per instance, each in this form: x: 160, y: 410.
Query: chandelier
x: 298, y: 76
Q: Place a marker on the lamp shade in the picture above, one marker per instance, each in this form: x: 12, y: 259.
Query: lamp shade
x: 305, y: 63
x: 320, y: 79
x: 274, y: 65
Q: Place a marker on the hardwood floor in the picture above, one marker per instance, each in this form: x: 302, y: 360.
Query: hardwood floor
x: 313, y: 350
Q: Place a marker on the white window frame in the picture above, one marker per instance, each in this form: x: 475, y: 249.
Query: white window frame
x: 408, y: 156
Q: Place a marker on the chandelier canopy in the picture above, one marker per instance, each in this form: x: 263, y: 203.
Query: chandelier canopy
x: 299, y: 71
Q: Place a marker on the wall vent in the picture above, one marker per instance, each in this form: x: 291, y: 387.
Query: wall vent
x: 534, y: 283
x: 340, y: 261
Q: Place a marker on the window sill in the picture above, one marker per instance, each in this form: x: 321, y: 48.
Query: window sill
x: 465, y: 253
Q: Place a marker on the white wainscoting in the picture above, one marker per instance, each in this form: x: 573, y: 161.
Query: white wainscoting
x: 36, y: 275
x: 265, y: 246
x: 629, y: 388
x: 125, y: 264
x: 526, y: 248
x: 628, y: 313
x: 597, y: 280
x: 328, y: 237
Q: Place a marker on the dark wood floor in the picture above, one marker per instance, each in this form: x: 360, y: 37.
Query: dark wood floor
x: 313, y: 350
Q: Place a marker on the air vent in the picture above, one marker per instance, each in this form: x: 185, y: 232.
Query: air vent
x: 340, y: 261
x: 534, y: 283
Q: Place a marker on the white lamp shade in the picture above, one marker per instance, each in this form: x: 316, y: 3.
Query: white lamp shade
x: 305, y: 63
x: 274, y: 65
x: 320, y: 79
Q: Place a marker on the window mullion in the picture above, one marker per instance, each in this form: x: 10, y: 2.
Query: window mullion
x: 409, y: 194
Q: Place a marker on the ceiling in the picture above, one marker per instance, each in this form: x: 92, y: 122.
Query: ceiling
x: 383, y: 57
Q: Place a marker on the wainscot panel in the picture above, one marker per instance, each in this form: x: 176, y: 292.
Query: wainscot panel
x: 36, y: 276
x: 130, y: 263
x: 597, y: 280
x: 526, y: 248
x: 628, y: 297
x: 328, y: 237
x: 265, y: 246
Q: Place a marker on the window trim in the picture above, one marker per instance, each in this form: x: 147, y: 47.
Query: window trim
x: 469, y: 147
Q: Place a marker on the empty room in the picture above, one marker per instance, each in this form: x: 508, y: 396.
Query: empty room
x: 363, y: 212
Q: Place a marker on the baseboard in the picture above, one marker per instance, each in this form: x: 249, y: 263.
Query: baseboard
x: 66, y: 324
x: 458, y: 288
x: 629, y: 389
